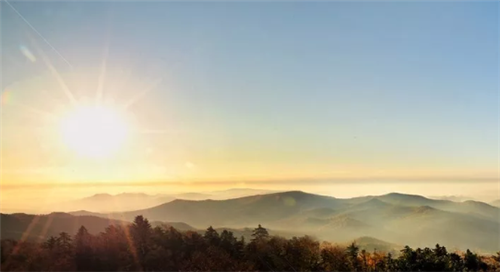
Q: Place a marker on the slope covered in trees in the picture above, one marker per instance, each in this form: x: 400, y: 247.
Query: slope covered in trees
x: 38, y: 227
x: 398, y: 218
x: 140, y: 247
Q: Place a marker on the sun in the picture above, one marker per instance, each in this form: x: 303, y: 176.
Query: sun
x: 94, y: 131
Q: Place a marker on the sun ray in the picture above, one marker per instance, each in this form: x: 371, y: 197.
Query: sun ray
x: 32, y: 224
x: 55, y: 73
x: 26, y: 233
x: 142, y: 93
x: 128, y: 236
x: 102, y: 75
x: 104, y: 64
x: 47, y: 225
x: 125, y: 77
x: 155, y: 131
x: 36, y: 112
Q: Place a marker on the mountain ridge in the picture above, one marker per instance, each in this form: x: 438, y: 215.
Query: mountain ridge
x: 395, y: 217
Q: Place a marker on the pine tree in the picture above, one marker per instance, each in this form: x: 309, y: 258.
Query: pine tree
x: 352, y: 254
x: 211, y: 236
x: 141, y: 234
x: 64, y: 242
x: 51, y: 243
x: 83, y: 250
x: 260, y: 234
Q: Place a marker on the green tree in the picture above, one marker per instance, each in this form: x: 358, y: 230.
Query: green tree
x: 472, y: 262
x: 259, y: 233
x: 456, y: 262
x: 211, y: 236
x: 229, y: 243
x: 407, y: 260
x: 352, y: 256
x: 302, y: 253
x: 333, y: 258
x: 441, y: 259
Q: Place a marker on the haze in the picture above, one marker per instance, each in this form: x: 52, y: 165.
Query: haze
x: 344, y: 99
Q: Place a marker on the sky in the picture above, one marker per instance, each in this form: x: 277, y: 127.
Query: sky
x: 344, y: 98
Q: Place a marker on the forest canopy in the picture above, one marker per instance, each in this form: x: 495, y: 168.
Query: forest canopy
x: 140, y: 247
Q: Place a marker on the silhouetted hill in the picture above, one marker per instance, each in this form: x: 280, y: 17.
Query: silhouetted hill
x: 83, y: 212
x: 454, y: 198
x: 372, y: 203
x: 407, y: 199
x: 477, y: 208
x: 372, y: 244
x: 241, y: 212
x: 17, y: 226
x: 110, y: 203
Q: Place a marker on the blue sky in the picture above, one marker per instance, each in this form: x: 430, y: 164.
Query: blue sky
x: 364, y: 85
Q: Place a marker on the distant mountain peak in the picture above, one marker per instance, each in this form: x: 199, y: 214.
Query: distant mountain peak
x: 180, y: 200
x: 369, y: 239
x: 478, y: 203
x: 106, y: 195
x: 101, y: 195
x: 297, y: 192
x: 60, y: 214
x: 133, y: 194
x: 400, y: 198
x: 396, y: 194
x: 375, y: 202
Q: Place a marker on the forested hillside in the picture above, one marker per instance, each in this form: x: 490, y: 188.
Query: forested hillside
x: 140, y: 247
x: 398, y: 218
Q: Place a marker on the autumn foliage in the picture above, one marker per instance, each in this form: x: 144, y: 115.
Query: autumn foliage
x: 139, y: 247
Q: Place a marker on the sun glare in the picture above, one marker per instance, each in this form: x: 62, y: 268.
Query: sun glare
x: 94, y: 131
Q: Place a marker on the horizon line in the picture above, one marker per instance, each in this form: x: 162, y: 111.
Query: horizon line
x: 249, y: 182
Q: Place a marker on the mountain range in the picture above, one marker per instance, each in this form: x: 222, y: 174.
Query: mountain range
x: 396, y: 218
x: 130, y: 201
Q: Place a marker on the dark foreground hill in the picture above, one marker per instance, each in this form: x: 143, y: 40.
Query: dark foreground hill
x: 21, y: 226
x: 39, y: 227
